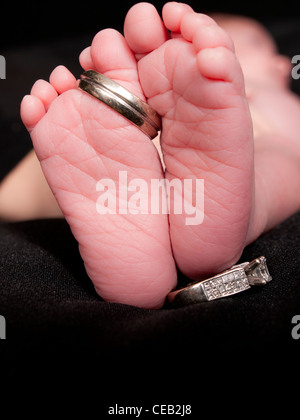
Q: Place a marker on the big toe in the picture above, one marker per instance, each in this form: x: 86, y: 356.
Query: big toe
x: 143, y: 28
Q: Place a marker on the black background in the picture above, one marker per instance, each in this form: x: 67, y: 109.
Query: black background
x: 30, y: 21
x: 37, y: 36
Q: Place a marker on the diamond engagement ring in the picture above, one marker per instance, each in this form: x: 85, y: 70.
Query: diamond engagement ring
x: 122, y: 101
x: 234, y: 280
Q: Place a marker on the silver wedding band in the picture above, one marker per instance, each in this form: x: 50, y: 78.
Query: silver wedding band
x: 230, y: 282
x: 122, y: 101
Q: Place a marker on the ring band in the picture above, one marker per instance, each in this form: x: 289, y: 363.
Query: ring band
x: 234, y: 280
x: 121, y: 100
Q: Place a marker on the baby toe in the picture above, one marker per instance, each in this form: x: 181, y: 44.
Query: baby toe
x: 62, y: 79
x: 144, y: 29
x: 220, y: 64
x: 120, y: 66
x: 211, y: 36
x: 173, y: 14
x: 32, y: 111
x: 85, y: 59
x: 191, y: 22
x: 44, y: 91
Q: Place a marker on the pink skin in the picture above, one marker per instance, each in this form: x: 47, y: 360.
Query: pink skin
x: 194, y: 81
x: 275, y: 115
x: 257, y: 53
x: 207, y: 129
x: 79, y: 141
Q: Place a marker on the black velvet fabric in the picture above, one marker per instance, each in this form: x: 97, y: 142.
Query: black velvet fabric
x: 46, y: 296
x: 64, y: 343
x: 60, y: 332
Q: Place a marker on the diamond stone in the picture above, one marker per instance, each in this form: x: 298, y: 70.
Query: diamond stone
x: 226, y: 284
x: 257, y: 272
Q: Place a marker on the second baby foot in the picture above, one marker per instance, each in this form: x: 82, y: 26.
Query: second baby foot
x: 80, y: 142
x: 192, y: 78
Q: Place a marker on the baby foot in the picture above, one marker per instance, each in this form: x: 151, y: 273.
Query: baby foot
x: 80, y: 141
x: 193, y: 80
